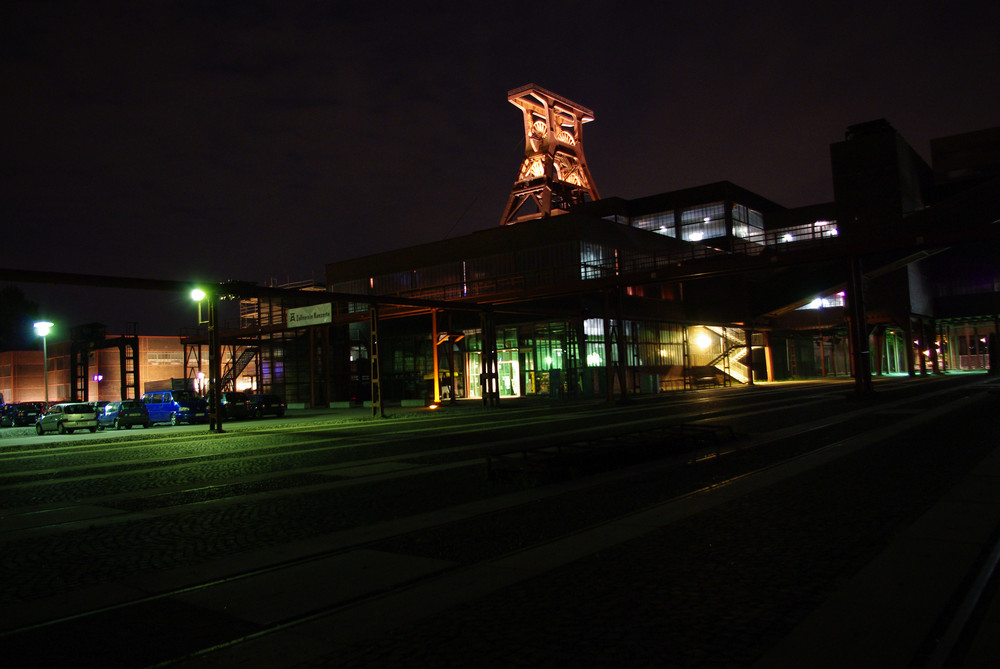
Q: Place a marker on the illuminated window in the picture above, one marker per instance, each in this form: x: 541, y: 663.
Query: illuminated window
x: 594, y: 259
x: 838, y: 300
x: 747, y: 223
x: 704, y: 222
x: 661, y: 223
x: 165, y: 358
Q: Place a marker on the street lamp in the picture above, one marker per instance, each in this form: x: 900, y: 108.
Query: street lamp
x: 42, y: 329
x: 214, y: 362
x: 197, y: 294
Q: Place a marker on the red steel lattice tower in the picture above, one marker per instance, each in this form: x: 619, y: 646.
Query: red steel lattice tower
x: 553, y: 176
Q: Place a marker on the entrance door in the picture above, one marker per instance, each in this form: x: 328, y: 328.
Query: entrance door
x: 510, y: 378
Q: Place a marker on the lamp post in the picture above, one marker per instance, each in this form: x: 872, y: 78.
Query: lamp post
x: 214, y: 363
x: 42, y: 329
x: 197, y: 294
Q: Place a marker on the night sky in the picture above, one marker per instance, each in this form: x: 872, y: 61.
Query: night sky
x: 261, y: 140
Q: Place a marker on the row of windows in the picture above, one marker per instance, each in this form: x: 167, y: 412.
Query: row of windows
x: 662, y: 223
x: 165, y: 358
x: 547, y: 346
x: 747, y: 222
x: 475, y: 276
x: 706, y: 221
x: 566, y: 261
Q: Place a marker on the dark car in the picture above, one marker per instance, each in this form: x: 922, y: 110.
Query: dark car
x: 266, y: 405
x: 21, y: 414
x: 234, y: 405
x: 124, y: 414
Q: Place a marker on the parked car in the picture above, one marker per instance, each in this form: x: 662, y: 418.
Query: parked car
x: 66, y: 418
x: 99, y: 405
x: 234, y: 405
x: 6, y: 415
x: 21, y: 414
x: 175, y: 406
x: 124, y: 414
x: 266, y: 405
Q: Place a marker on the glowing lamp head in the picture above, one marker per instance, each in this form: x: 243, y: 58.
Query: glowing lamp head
x: 197, y: 294
x: 703, y: 341
x: 43, y: 328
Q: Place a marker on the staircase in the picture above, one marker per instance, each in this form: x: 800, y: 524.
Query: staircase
x: 232, y: 372
x: 734, y: 347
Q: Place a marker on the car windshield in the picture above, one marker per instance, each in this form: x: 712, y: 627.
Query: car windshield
x: 184, y: 396
x: 78, y: 408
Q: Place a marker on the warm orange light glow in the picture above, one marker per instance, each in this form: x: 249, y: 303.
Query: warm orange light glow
x: 554, y: 176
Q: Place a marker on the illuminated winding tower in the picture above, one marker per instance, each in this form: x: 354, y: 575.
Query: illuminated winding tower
x: 553, y: 176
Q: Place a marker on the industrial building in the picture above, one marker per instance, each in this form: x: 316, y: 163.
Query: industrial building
x: 708, y: 285
x: 113, y: 367
x: 574, y: 295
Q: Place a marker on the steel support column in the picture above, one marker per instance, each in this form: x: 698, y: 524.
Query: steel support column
x: 373, y: 352
x: 768, y: 361
x: 214, y: 366
x: 489, y: 368
x: 860, y: 353
x: 434, y: 355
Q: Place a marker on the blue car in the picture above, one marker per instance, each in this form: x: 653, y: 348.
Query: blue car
x: 123, y: 414
x: 175, y: 406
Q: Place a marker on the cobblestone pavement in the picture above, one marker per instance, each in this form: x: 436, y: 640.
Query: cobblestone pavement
x: 715, y: 590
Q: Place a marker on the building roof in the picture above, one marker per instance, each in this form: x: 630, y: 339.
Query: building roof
x: 521, y: 236
x: 720, y: 191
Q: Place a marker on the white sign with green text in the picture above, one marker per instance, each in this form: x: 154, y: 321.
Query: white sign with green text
x: 317, y: 314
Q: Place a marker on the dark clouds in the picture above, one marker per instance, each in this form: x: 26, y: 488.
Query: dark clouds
x: 259, y: 140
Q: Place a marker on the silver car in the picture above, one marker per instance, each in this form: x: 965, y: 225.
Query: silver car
x: 67, y: 417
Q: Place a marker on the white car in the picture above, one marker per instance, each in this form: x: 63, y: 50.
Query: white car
x: 67, y: 417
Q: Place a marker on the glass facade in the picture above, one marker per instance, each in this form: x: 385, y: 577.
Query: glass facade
x: 748, y: 223
x: 554, y: 358
x: 547, y: 358
x: 660, y: 223
x: 703, y: 222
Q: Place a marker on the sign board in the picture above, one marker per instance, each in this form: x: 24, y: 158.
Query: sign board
x: 317, y: 314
